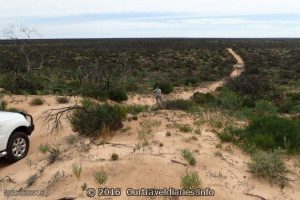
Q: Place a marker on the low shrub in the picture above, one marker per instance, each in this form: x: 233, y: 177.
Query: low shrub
x: 185, y: 128
x: 228, y: 99
x: 270, y: 166
x: 117, y: 95
x: 179, y: 104
x: 201, y: 98
x: 114, y: 156
x: 54, y: 154
x: 266, y: 133
x: 62, y: 100
x: 136, y: 109
x: 190, y: 180
x: 166, y: 87
x: 37, y: 101
x: 93, y: 118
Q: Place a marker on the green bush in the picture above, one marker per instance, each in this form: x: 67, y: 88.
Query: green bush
x: 201, y: 98
x: 179, y: 104
x: 37, y: 101
x: 263, y: 107
x: 92, y: 119
x: 166, y: 87
x: 267, y: 133
x: 117, y: 95
x: 270, y: 166
x: 190, y: 180
x: 228, y: 99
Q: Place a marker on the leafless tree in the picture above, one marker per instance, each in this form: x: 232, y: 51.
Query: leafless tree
x: 22, y: 38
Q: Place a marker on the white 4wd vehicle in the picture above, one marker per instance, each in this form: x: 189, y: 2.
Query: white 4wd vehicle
x: 14, y: 131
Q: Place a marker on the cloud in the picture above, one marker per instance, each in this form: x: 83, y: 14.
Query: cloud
x: 154, y: 18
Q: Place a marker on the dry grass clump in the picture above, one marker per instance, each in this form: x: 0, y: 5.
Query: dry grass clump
x: 188, y: 156
x: 100, y: 176
x: 191, y: 180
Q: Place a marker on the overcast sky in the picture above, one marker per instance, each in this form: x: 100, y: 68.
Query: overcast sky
x: 153, y: 18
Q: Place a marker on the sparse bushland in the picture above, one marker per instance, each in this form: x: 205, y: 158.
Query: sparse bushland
x: 22, y: 83
x: 188, y: 156
x: 76, y: 169
x: 117, y: 95
x: 93, y: 118
x: 100, y: 176
x: 36, y: 101
x: 266, y: 133
x: 62, y: 100
x: 191, y: 180
x: 270, y: 166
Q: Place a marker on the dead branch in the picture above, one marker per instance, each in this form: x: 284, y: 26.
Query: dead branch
x: 178, y: 162
x: 254, y: 195
x: 52, y: 118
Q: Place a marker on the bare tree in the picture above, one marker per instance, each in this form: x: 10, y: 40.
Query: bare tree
x: 22, y: 38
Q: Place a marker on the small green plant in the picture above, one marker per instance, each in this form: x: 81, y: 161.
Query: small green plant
x: 44, y: 148
x: 270, y: 166
x: 71, y: 139
x: 37, y: 101
x: 77, y: 169
x: 188, y: 156
x: 29, y: 162
x: 185, y: 128
x: 100, y: 176
x: 62, y: 100
x: 190, y: 180
x: 114, y: 157
x: 54, y: 154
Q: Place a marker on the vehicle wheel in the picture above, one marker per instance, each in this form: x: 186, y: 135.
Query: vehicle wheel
x: 17, y: 146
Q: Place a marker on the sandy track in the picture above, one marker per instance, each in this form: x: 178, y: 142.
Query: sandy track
x: 238, y: 69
